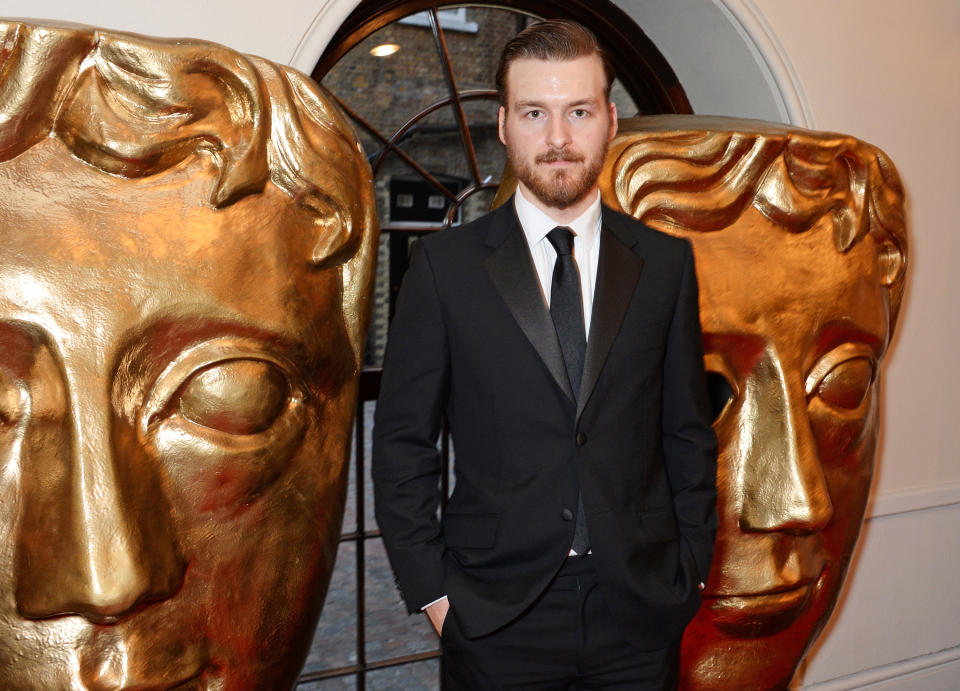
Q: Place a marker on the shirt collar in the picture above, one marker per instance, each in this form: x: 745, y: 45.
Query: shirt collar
x: 536, y: 224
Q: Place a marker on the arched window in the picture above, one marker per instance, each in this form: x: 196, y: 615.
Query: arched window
x: 417, y: 79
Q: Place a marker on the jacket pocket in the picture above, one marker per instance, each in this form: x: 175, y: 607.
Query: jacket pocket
x: 471, y: 530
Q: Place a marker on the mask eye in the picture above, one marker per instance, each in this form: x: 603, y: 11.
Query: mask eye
x: 721, y: 388
x: 842, y: 377
x: 720, y: 392
x: 9, y: 399
x: 235, y: 396
x: 846, y: 385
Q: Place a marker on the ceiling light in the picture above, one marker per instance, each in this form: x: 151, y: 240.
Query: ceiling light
x: 384, y: 49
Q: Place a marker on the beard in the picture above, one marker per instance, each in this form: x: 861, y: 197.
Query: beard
x: 559, y: 189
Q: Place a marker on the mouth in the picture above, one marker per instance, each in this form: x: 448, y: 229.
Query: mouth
x: 752, y: 615
x: 559, y: 158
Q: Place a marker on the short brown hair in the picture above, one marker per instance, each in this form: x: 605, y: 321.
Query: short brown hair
x: 553, y: 40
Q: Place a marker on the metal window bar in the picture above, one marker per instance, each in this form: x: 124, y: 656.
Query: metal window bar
x: 370, y: 378
x: 441, y: 42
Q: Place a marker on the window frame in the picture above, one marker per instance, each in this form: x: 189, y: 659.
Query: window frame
x: 647, y: 78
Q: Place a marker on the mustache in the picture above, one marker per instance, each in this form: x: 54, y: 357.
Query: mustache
x: 554, y: 155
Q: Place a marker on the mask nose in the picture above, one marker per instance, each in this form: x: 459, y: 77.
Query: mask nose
x: 95, y: 537
x: 781, y: 487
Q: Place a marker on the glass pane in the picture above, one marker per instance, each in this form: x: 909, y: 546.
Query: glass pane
x: 385, y: 91
x: 418, y: 676
x: 437, y: 144
x: 347, y: 683
x: 335, y: 641
x: 370, y: 522
x: 350, y: 511
x: 474, y: 56
x: 391, y: 632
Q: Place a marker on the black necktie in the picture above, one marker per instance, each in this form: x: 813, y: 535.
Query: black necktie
x: 566, y: 308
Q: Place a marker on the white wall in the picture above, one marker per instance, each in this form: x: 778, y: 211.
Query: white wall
x: 268, y: 28
x: 705, y: 45
x: 886, y: 71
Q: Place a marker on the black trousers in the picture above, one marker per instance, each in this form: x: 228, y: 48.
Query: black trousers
x: 566, y: 640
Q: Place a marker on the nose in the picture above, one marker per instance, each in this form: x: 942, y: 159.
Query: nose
x: 782, y: 487
x: 558, y: 133
x: 94, y: 539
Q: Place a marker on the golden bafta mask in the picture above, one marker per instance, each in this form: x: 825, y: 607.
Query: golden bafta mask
x: 800, y: 246
x: 187, y: 241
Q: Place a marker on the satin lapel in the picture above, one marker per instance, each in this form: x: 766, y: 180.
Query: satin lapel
x: 510, y: 267
x: 618, y: 271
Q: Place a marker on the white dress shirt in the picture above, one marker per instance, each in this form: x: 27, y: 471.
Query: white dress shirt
x: 586, y: 247
x: 586, y: 250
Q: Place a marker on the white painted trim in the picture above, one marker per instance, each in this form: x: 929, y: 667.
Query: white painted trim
x: 878, y: 675
x: 329, y: 17
x: 770, y: 54
x: 914, y: 499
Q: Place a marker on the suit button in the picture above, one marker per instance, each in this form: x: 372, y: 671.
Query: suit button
x: 581, y: 438
x: 566, y: 515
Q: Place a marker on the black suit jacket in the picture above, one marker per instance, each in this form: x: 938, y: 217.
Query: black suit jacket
x: 472, y: 340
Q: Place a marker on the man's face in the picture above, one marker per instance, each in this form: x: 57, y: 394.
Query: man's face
x: 175, y: 398
x: 798, y: 330
x: 556, y: 127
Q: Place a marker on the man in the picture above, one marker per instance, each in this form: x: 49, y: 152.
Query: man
x: 181, y: 322
x: 583, y: 516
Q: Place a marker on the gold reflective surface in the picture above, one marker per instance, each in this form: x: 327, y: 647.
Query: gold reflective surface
x: 800, y: 246
x: 187, y: 248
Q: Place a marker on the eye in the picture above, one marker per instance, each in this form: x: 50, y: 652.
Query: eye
x: 842, y: 377
x: 580, y: 113
x: 534, y: 114
x: 235, y: 396
x: 846, y: 385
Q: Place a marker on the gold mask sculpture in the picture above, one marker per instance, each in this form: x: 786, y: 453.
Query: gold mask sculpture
x: 800, y: 244
x: 187, y: 244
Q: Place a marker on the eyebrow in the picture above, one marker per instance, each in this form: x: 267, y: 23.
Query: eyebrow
x: 836, y: 332
x: 574, y: 104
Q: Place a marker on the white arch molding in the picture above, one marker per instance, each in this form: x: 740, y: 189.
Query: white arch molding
x: 774, y: 57
x: 724, y: 52
x: 330, y: 15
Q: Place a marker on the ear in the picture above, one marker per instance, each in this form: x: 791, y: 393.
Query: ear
x: 613, y: 121
x: 501, y: 119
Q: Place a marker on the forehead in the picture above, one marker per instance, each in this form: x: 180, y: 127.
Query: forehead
x: 578, y: 78
x: 789, y: 289
x: 85, y: 252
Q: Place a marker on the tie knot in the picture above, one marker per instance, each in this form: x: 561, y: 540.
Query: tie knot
x: 561, y: 238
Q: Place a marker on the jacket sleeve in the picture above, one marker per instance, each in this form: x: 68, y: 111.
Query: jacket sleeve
x: 406, y: 462
x: 689, y: 442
